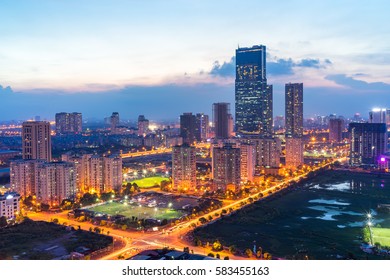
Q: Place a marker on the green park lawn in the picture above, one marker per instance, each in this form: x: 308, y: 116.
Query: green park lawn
x: 381, y: 235
x: 116, y: 208
x: 149, y: 182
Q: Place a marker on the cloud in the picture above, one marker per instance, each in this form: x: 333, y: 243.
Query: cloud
x: 5, y: 90
x: 358, y: 85
x: 275, y: 66
x: 227, y: 69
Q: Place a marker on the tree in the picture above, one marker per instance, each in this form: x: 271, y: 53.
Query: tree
x: 211, y: 255
x: 55, y: 221
x: 267, y: 256
x: 226, y: 258
x: 106, y: 196
x: 3, y: 221
x: 217, y: 246
x: 186, y: 250
x: 218, y: 256
x: 248, y: 253
x: 45, y: 207
x: 232, y: 249
x: 259, y: 252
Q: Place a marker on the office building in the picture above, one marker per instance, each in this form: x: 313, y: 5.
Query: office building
x: 336, y: 128
x: 253, y: 97
x: 221, y: 112
x: 188, y: 128
x: 143, y: 125
x: 9, y: 205
x: 183, y: 168
x: 368, y: 141
x: 36, y: 140
x: 68, y: 123
x: 226, y: 165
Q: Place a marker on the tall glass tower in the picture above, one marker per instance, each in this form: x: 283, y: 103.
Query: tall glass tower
x: 253, y: 95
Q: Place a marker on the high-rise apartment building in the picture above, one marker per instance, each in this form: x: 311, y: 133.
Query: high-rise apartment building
x: 114, y: 122
x: 202, y: 127
x: 368, y: 141
x: 294, y: 152
x: 36, y: 140
x: 336, y: 127
x: 294, y: 124
x: 188, y: 128
x: 226, y: 165
x: 253, y: 97
x: 23, y: 176
x: 268, y: 150
x: 143, y: 125
x: 221, y: 112
x: 50, y: 182
x: 55, y: 182
x: 69, y: 123
x: 294, y: 109
x: 248, y: 161
x: 95, y: 173
x: 183, y: 168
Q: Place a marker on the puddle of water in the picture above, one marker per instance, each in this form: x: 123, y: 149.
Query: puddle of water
x: 328, y: 201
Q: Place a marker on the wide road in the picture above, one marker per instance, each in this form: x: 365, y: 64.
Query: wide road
x: 136, y: 241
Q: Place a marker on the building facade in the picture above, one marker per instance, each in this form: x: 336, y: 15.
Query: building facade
x: 143, y: 125
x: 336, y: 128
x: 247, y: 162
x: 183, y: 168
x: 36, y: 140
x: 294, y: 152
x: 253, y: 97
x: 226, y: 166
x: 202, y: 127
x: 9, y: 205
x: 69, y: 123
x: 221, y: 112
x: 114, y: 122
x: 368, y: 141
x: 188, y: 128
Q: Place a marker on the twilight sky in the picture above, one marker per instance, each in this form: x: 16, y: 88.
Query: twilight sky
x: 162, y: 58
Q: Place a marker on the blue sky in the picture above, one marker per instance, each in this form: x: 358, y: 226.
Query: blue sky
x: 162, y: 58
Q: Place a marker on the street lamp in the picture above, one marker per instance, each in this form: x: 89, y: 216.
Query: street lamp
x: 369, y: 224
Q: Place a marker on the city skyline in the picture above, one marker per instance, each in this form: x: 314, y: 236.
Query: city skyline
x: 135, y: 64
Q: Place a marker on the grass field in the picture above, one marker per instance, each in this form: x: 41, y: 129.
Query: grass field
x: 381, y: 235
x: 149, y: 182
x: 116, y: 208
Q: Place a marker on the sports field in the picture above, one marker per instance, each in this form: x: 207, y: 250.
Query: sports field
x: 149, y: 182
x: 381, y: 235
x: 116, y: 208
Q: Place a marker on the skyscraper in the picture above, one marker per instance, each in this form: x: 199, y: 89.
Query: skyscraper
x: 294, y: 109
x: 187, y: 128
x: 36, y: 140
x: 203, y: 127
x: 368, y: 142
x: 68, y: 123
x: 114, y: 122
x: 336, y: 127
x: 294, y: 124
x: 183, y: 168
x: 221, y: 112
x: 226, y: 167
x: 253, y: 96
